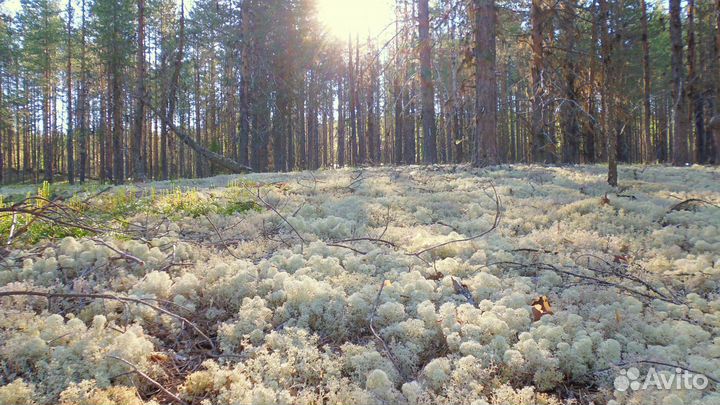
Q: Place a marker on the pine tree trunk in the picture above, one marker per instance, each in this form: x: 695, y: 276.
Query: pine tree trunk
x: 647, y: 138
x: 139, y: 173
x: 607, y: 99
x: 695, y: 96
x: 353, y: 113
x: 116, y: 112
x: 199, y: 166
x: 716, y: 130
x: 678, y: 89
x: 486, y: 152
x: 398, y: 115
x: 69, y: 148
x: 569, y: 106
x: 341, y: 122
x: 539, y: 143
x: 426, y: 85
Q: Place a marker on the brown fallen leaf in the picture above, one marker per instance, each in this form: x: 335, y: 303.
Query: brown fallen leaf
x: 621, y: 259
x: 541, y: 307
x: 158, y: 357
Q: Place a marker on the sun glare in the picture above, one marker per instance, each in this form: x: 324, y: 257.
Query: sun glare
x: 343, y: 18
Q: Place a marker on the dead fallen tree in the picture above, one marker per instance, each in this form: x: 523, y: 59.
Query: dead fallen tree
x: 211, y: 156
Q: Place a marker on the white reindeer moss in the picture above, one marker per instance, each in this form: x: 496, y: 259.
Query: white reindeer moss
x: 291, y: 318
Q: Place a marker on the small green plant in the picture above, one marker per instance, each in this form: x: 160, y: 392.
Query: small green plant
x: 179, y: 202
x: 44, y: 193
x: 37, y: 229
x: 240, y: 206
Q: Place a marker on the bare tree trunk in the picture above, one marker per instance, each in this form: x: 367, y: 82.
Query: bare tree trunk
x: 82, y: 100
x: 485, y: 84
x: 716, y: 131
x: 408, y: 125
x: 69, y: 148
x: 607, y: 99
x: 694, y: 94
x: 139, y: 120
x: 205, y: 153
x: 341, y: 122
x: 569, y: 106
x: 117, y: 129
x: 648, y: 156
x: 426, y: 85
x: 398, y: 107
x: 301, y: 157
x: 3, y: 125
x: 679, y: 88
x: 173, y: 85
x: 537, y: 127
x: 47, y: 136
x: 199, y: 166
x: 353, y: 113
x: 245, y: 71
x: 371, y: 130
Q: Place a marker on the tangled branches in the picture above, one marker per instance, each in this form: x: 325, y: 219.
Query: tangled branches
x: 39, y: 208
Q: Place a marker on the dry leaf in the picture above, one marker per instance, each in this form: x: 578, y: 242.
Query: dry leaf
x: 621, y: 259
x: 541, y: 307
x: 159, y: 357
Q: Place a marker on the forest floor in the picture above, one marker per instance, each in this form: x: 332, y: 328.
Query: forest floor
x: 396, y: 285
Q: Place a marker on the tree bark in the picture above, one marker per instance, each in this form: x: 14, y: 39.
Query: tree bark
x: 426, y: 85
x: 353, y: 113
x: 69, y: 148
x: 485, y: 84
x: 716, y: 131
x: 648, y: 154
x: 607, y: 99
x: 539, y: 143
x: 569, y: 106
x: 678, y: 89
x: 695, y: 96
x: 205, y: 153
x: 341, y: 122
x: 139, y: 119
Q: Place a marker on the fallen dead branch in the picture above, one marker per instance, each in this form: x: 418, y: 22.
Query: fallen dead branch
x: 118, y: 298
x: 222, y: 240
x: 149, y: 379
x: 691, y: 203
x: 39, y: 208
x: 124, y: 255
x: 496, y: 222
x: 595, y: 280
x: 278, y: 213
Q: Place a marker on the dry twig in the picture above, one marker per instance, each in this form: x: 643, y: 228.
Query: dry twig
x: 389, y: 352
x: 125, y: 300
x: 149, y: 379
